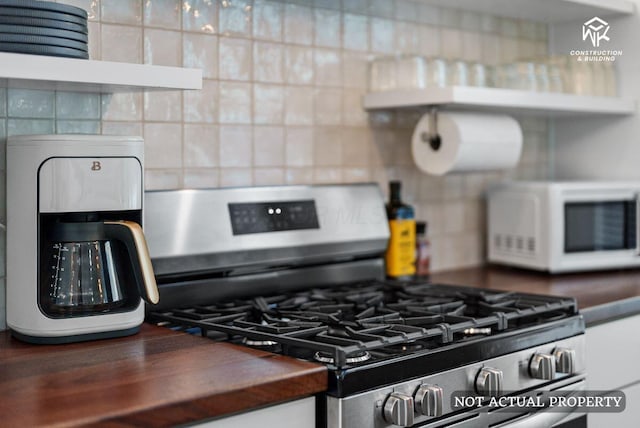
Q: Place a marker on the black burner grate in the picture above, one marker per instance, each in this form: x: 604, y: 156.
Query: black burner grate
x: 378, y: 318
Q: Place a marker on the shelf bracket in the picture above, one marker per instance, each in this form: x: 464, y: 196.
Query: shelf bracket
x: 432, y: 137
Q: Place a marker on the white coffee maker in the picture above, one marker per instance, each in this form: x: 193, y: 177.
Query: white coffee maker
x: 78, y: 266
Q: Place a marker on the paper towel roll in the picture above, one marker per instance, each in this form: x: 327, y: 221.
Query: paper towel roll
x: 470, y: 142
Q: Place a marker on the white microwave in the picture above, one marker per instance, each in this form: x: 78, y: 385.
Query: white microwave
x: 564, y: 226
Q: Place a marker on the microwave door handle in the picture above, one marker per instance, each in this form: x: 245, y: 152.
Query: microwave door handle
x: 637, y: 224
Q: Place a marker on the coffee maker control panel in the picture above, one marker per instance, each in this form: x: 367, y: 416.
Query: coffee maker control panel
x: 72, y: 184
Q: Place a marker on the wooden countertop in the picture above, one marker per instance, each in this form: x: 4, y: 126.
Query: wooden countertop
x: 155, y: 378
x: 602, y: 296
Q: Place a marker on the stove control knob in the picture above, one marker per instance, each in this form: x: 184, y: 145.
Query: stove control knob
x: 428, y: 400
x: 542, y: 366
x: 565, y: 360
x: 398, y: 409
x: 489, y: 382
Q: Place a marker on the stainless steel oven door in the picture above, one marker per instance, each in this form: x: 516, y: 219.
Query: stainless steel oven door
x: 486, y: 417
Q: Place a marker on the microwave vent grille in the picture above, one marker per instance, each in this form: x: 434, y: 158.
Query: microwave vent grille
x: 515, y: 244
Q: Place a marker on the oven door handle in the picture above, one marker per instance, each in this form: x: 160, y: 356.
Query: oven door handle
x: 537, y: 420
x: 637, y: 224
x: 544, y: 418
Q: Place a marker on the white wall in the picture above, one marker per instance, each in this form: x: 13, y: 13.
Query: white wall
x: 601, y: 148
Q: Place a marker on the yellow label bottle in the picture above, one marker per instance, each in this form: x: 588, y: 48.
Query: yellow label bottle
x: 401, y: 249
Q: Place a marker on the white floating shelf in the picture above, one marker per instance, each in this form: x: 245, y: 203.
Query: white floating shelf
x: 505, y: 100
x: 550, y: 11
x: 66, y: 74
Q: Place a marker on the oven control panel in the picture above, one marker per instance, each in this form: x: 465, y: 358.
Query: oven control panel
x: 262, y: 217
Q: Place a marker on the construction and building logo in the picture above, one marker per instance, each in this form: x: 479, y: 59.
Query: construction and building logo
x: 596, y: 30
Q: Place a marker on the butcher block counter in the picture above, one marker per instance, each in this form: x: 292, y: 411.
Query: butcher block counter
x: 602, y: 296
x: 164, y: 378
x: 155, y: 378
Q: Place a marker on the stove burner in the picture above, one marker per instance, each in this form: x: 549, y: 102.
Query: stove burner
x: 405, y: 348
x: 359, y: 357
x: 258, y: 343
x: 477, y: 331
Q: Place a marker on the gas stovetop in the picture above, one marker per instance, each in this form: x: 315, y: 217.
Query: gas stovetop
x: 365, y: 323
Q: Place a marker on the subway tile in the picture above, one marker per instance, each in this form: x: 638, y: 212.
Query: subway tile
x: 268, y: 104
x: 407, y: 10
x: 299, y: 147
x: 268, y: 146
x: 407, y: 37
x: 201, y: 178
x: 201, y: 51
x: 267, y: 62
x: 95, y: 40
x: 236, y: 177
x: 327, y: 28
x: 122, y: 128
x: 268, y: 176
x: 121, y: 11
x: 202, y: 106
x: 356, y: 175
x: 450, y: 17
x: 200, y: 16
x: 382, y: 8
x: 30, y: 126
x: 234, y: 17
x: 451, y: 43
x: 234, y: 59
x: 162, y: 47
x: 428, y: 14
x: 121, y: 43
x: 327, y: 67
x: 298, y: 68
x: 77, y: 105
x: 353, y: 113
x: 299, y: 175
x: 236, y: 146
x: 382, y: 35
x: 327, y: 175
x: 429, y: 44
x: 91, y: 6
x: 163, y: 106
x: 122, y: 106
x: 77, y: 127
x: 328, y: 107
x: 327, y: 147
x: 201, y: 146
x: 30, y: 103
x: 355, y: 34
x: 162, y: 179
x: 328, y: 4
x: 163, y: 145
x: 163, y: 14
x: 356, y: 147
x: 267, y: 20
x: 355, y: 70
x: 298, y: 24
x: 356, y: 6
x: 235, y: 103
x: 298, y: 105
x: 509, y: 27
x: 471, y: 46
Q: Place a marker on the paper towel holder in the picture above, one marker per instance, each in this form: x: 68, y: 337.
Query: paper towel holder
x: 432, y: 137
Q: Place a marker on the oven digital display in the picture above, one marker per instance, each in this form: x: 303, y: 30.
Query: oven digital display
x: 262, y: 217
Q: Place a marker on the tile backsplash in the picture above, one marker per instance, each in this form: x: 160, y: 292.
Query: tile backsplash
x: 281, y: 100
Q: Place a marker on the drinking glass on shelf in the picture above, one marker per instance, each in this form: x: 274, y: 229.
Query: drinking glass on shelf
x: 437, y: 72
x: 598, y: 79
x: 478, y: 75
x: 581, y: 77
x: 611, y: 83
x: 555, y: 78
x: 411, y: 72
x: 459, y: 72
x: 382, y: 74
x: 542, y: 77
x: 526, y: 79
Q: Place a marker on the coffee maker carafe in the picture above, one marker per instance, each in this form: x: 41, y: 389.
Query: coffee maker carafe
x: 78, y: 266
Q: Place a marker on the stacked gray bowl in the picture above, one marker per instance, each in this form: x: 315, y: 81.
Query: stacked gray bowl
x: 43, y: 28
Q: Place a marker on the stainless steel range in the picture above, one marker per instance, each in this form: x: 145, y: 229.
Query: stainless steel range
x: 298, y: 270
